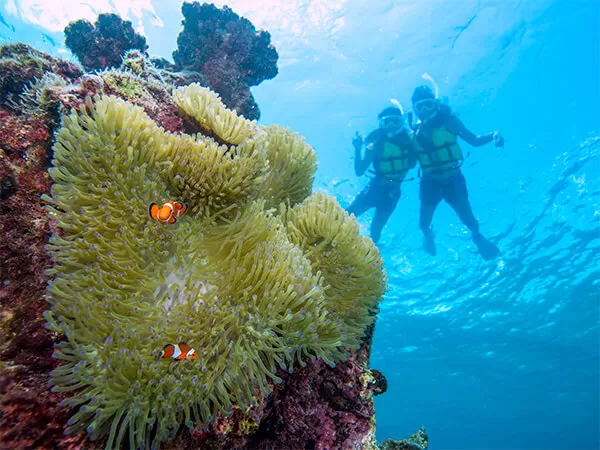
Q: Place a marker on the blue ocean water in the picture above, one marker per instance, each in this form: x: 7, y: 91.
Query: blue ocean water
x: 486, y: 355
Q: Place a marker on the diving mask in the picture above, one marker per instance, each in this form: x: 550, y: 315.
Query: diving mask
x: 391, y: 122
x: 426, y: 108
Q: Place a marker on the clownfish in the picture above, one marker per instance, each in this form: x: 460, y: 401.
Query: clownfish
x: 168, y: 212
x: 178, y: 352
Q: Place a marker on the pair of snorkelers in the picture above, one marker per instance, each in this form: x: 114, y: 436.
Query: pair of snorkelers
x: 393, y: 149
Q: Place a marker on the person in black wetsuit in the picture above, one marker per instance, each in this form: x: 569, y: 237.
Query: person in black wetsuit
x: 390, y: 149
x: 440, y: 158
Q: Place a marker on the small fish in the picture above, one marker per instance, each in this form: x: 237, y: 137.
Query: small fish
x: 168, y: 212
x: 48, y: 39
x: 178, y: 352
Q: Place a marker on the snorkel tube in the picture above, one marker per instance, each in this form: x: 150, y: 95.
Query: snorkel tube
x: 397, y: 104
x: 434, y: 85
x: 436, y: 90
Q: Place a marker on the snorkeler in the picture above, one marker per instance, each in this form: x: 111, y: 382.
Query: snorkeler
x: 390, y: 149
x: 440, y: 158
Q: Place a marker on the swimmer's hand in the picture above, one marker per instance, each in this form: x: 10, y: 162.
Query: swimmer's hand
x: 357, y: 142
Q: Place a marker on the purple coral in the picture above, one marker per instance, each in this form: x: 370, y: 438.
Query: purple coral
x: 102, y: 45
x: 316, y: 407
x: 228, y: 51
x: 321, y: 408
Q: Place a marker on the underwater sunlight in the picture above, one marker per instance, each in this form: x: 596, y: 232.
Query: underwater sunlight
x: 181, y: 264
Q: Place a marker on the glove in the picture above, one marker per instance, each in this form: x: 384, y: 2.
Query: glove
x: 357, y: 141
x: 498, y: 140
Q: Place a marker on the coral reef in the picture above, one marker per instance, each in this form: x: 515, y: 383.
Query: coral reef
x: 241, y: 290
x: 103, y: 44
x: 21, y: 64
x: 272, y: 285
x: 209, y: 33
x: 286, y: 182
x: 320, y: 408
x: 379, y: 382
x: 204, y: 106
x: 417, y: 441
x: 216, y: 48
x: 30, y: 416
x: 148, y: 93
x: 316, y: 407
x: 228, y: 51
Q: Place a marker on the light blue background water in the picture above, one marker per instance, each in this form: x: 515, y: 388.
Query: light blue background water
x: 498, y: 355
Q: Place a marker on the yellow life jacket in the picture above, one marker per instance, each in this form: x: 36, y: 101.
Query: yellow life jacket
x: 444, y: 158
x: 391, y: 160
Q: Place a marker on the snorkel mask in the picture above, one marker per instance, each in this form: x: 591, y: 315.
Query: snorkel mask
x: 425, y: 109
x: 391, y: 122
x: 391, y: 119
x: 425, y: 101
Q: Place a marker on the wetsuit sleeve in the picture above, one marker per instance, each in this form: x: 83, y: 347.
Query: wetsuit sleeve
x: 413, y: 149
x: 455, y: 125
x: 361, y: 164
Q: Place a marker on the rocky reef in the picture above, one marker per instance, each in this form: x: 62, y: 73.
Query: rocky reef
x: 21, y: 64
x: 228, y: 51
x: 216, y: 48
x: 270, y: 283
x: 417, y: 441
x: 102, y: 45
x: 30, y: 415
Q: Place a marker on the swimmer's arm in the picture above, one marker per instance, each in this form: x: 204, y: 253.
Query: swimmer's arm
x: 361, y: 164
x: 413, y: 151
x: 457, y: 127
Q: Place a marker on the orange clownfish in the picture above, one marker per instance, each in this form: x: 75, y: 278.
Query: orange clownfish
x: 168, y: 212
x: 178, y: 352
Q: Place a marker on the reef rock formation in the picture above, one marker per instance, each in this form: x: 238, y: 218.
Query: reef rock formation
x: 228, y: 51
x: 216, y: 48
x: 417, y: 441
x: 30, y: 415
x: 21, y: 64
x: 103, y: 44
x: 271, y: 284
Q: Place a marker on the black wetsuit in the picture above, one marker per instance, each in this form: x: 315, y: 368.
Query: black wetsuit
x: 451, y: 185
x: 452, y: 189
x: 382, y: 193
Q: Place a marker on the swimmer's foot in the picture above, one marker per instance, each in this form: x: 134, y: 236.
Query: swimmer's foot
x: 487, y: 250
x: 429, y: 244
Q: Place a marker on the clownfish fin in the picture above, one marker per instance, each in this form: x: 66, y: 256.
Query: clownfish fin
x: 181, y: 208
x: 172, y: 219
x: 153, y: 210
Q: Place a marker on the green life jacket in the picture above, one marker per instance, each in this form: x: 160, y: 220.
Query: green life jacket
x: 391, y: 157
x: 439, y: 154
